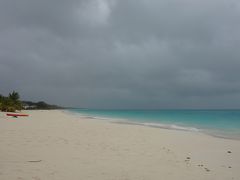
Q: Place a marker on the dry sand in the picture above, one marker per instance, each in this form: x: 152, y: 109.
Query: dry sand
x: 53, y: 145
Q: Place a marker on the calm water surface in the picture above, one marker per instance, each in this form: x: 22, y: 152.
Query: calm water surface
x: 222, y: 123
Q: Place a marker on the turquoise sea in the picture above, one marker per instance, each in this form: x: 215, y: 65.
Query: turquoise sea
x: 221, y: 123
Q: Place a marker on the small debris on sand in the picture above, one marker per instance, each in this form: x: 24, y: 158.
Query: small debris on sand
x: 229, y: 152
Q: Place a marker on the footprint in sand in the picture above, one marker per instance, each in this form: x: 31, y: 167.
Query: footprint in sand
x: 206, y: 169
x: 187, y: 160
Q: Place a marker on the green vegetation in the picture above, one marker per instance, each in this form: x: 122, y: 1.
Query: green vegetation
x: 39, y: 105
x: 12, y: 103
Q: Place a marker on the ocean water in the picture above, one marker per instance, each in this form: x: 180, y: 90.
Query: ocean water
x: 220, y: 123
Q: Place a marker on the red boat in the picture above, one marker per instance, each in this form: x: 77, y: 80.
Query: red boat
x: 16, y: 114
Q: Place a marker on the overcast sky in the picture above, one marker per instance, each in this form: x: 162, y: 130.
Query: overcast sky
x: 122, y: 53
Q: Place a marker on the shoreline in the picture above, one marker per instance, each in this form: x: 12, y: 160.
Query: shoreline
x: 155, y: 125
x: 53, y: 144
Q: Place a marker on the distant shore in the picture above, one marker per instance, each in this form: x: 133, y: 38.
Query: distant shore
x: 53, y: 144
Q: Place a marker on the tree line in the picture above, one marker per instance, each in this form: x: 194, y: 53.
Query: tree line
x: 12, y: 103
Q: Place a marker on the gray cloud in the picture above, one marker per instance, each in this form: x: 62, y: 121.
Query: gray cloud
x: 122, y: 54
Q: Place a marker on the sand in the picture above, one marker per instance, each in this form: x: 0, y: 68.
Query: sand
x: 56, y: 145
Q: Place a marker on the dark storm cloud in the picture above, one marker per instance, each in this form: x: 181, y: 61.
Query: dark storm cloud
x: 122, y: 54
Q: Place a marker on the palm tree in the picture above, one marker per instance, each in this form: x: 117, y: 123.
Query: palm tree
x: 14, y: 96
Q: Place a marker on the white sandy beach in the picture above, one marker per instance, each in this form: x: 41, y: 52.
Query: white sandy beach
x: 53, y: 145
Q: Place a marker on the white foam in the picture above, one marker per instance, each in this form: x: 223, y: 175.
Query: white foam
x: 159, y: 125
x: 126, y: 121
x: 171, y: 126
